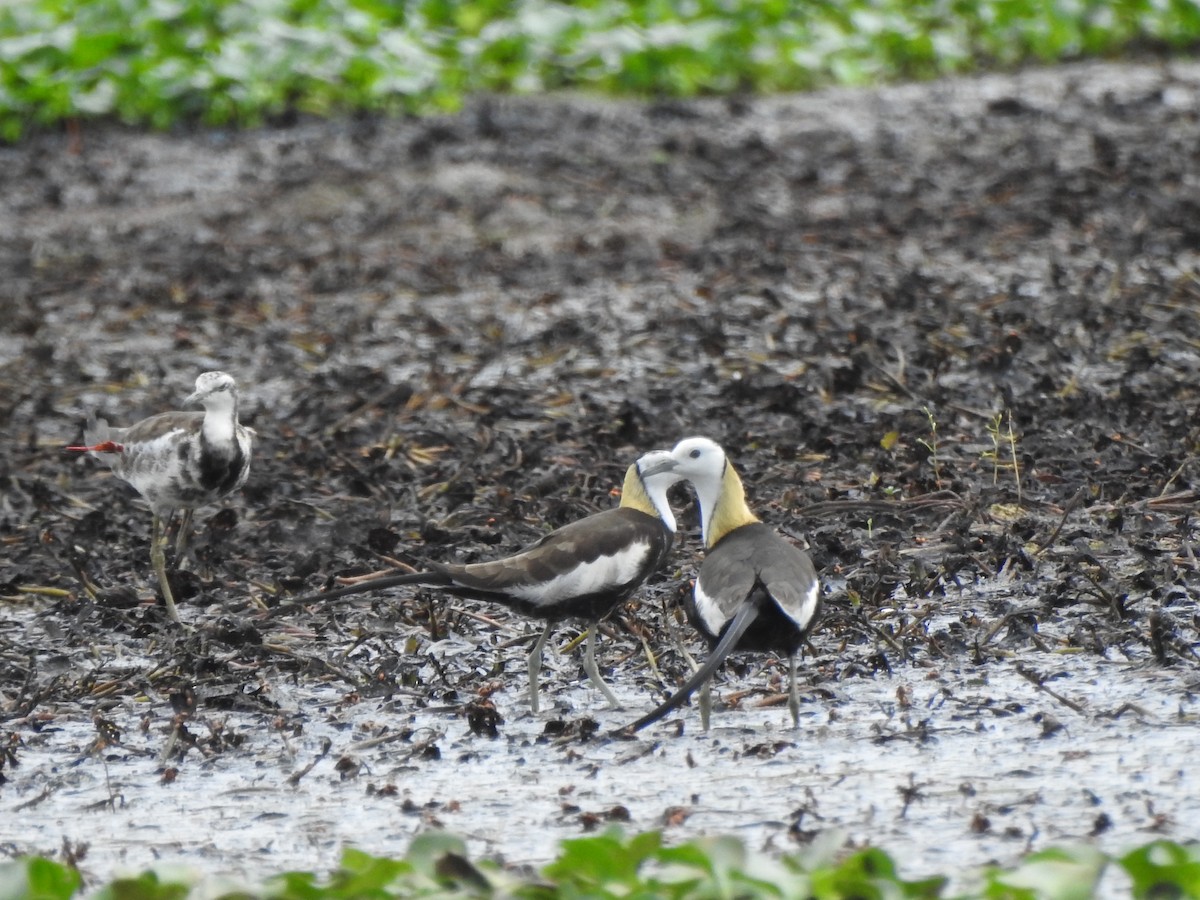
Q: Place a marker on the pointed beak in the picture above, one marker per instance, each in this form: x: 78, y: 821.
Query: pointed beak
x: 194, y: 397
x: 657, y: 462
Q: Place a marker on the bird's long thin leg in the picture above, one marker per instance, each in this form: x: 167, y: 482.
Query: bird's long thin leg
x: 181, y: 539
x: 158, y: 559
x: 793, y: 693
x: 705, y: 704
x: 593, y: 671
x: 535, y: 666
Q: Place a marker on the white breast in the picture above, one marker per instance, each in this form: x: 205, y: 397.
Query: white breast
x: 219, y: 430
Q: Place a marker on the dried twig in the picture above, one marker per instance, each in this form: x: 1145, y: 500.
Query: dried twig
x: 1038, y: 682
x: 1067, y: 510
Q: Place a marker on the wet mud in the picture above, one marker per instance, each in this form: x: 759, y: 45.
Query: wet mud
x: 949, y: 333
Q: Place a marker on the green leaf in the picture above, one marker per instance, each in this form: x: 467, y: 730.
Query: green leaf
x: 169, y: 885
x: 603, y: 861
x: 1164, y: 869
x: 37, y: 879
x: 1056, y: 874
x: 871, y: 873
x: 363, y: 875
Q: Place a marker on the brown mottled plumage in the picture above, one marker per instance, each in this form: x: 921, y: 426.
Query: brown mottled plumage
x: 178, y: 460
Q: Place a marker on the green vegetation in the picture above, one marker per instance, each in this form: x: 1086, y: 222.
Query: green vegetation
x: 615, y: 866
x: 160, y: 62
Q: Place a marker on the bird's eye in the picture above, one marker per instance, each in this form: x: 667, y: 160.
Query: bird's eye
x: 695, y: 454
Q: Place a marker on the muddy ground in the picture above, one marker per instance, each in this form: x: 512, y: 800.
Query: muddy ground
x: 949, y: 333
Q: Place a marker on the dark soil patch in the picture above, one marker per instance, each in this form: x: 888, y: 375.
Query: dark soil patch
x: 950, y: 333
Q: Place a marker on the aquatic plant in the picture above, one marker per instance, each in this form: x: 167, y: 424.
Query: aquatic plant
x: 641, y: 865
x: 162, y: 62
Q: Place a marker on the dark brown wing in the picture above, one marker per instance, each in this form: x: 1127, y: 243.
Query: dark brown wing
x: 580, y: 570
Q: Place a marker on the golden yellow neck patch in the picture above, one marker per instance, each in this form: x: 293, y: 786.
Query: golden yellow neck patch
x: 730, y: 510
x: 633, y: 493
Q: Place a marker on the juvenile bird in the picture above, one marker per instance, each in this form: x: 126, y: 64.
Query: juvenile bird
x: 755, y: 590
x: 583, y: 570
x: 178, y: 460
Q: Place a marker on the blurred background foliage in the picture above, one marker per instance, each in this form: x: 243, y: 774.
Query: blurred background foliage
x: 162, y: 62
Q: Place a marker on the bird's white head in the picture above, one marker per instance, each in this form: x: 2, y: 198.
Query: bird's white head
x: 214, y: 389
x: 718, y: 488
x: 657, y: 473
x: 699, y: 460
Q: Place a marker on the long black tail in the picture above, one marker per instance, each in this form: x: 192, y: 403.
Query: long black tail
x: 737, y: 627
x: 374, y: 584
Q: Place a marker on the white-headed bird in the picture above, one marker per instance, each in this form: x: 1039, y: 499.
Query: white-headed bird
x: 755, y: 590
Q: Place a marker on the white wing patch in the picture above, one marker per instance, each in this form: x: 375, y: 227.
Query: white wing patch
x: 808, y: 606
x: 709, y: 609
x: 714, y: 617
x: 601, y: 574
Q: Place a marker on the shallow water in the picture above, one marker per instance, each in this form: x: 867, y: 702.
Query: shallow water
x: 994, y: 776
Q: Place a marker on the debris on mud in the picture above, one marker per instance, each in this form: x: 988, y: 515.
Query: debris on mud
x: 949, y: 333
